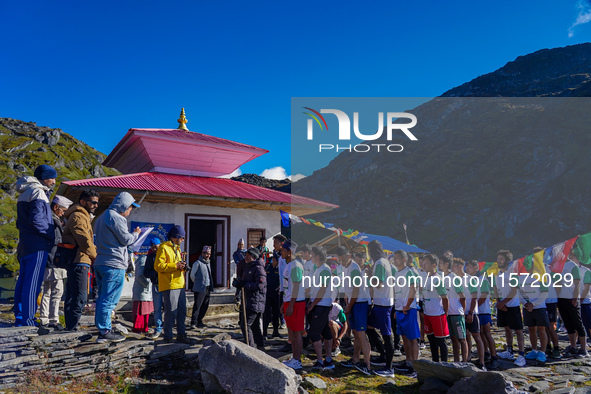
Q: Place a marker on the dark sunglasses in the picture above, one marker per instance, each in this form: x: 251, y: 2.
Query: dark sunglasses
x: 92, y: 202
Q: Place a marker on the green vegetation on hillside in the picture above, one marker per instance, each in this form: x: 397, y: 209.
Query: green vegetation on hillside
x: 24, y: 146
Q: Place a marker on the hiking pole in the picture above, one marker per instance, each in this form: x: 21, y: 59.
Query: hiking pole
x: 244, y: 317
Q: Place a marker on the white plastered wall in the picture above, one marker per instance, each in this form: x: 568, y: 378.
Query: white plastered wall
x: 240, y: 220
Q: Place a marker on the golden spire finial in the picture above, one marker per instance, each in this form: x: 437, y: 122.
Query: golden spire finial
x: 182, y: 121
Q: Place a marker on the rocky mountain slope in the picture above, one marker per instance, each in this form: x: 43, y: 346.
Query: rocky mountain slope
x: 486, y: 173
x: 257, y: 180
x: 24, y: 146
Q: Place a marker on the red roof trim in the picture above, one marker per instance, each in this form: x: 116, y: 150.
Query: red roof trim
x: 195, y: 185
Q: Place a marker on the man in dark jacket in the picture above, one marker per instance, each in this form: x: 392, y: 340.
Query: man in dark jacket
x: 273, y: 301
x: 254, y: 281
x: 53, y: 280
x: 36, y: 238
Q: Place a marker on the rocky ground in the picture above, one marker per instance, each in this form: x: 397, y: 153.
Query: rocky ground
x: 74, y: 363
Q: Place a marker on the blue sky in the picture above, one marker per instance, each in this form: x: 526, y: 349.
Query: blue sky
x: 96, y: 69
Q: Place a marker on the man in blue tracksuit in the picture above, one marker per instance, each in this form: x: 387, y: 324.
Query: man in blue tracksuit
x: 36, y: 238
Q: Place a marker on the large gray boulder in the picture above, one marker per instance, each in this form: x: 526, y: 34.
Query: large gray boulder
x: 231, y: 366
x: 484, y: 383
x: 448, y: 372
x: 434, y: 386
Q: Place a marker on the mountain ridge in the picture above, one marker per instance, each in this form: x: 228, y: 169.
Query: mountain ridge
x: 487, y: 173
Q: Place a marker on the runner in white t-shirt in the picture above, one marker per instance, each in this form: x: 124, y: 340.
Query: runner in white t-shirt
x: 357, y: 308
x: 471, y: 312
x: 435, y: 306
x: 319, y: 308
x: 457, y: 304
x: 484, y: 313
x: 293, y: 302
x: 407, y: 282
x: 585, y: 297
x: 506, y: 286
x: 535, y: 315
x: 568, y: 305
x: 338, y: 327
x: 380, y: 315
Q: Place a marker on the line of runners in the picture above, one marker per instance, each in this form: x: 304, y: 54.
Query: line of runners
x: 427, y: 306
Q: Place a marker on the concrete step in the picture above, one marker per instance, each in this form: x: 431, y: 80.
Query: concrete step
x: 221, y: 298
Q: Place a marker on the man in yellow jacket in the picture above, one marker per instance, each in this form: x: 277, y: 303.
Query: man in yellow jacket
x: 171, y: 282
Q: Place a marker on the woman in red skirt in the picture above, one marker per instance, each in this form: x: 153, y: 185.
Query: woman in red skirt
x: 142, y: 298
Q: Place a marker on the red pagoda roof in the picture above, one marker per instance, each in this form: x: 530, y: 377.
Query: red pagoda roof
x: 179, y: 152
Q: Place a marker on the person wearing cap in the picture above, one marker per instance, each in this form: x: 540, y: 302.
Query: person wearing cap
x: 36, y: 238
x: 53, y: 285
x: 254, y: 282
x: 151, y: 273
x: 78, y: 232
x: 112, y: 241
x: 202, y: 287
x: 171, y: 282
x: 238, y: 258
x: 240, y: 252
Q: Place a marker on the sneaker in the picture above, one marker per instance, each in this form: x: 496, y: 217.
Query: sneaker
x: 385, y: 373
x: 582, y: 353
x: 361, y: 367
x: 397, y: 352
x: 487, y: 357
x: 556, y: 354
x: 110, y: 336
x: 276, y: 334
x: 532, y: 355
x: 43, y: 330
x: 156, y: 334
x: 422, y: 345
x: 402, y: 368
x: 328, y: 364
x: 569, y: 351
x: 506, y: 355
x: 378, y: 361
x: 541, y: 357
x: 57, y: 327
x: 493, y: 364
x: 168, y: 340
x: 520, y: 362
x: 184, y: 339
x: 348, y: 363
x: 410, y: 373
x: 318, y: 365
x: 293, y: 364
x: 336, y: 352
x: 479, y: 366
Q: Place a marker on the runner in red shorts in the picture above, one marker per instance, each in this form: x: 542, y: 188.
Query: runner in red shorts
x: 436, y: 305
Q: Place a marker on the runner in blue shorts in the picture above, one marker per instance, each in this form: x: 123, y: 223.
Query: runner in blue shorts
x: 407, y: 323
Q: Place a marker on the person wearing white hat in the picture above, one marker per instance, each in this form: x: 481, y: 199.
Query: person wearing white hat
x: 53, y: 285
